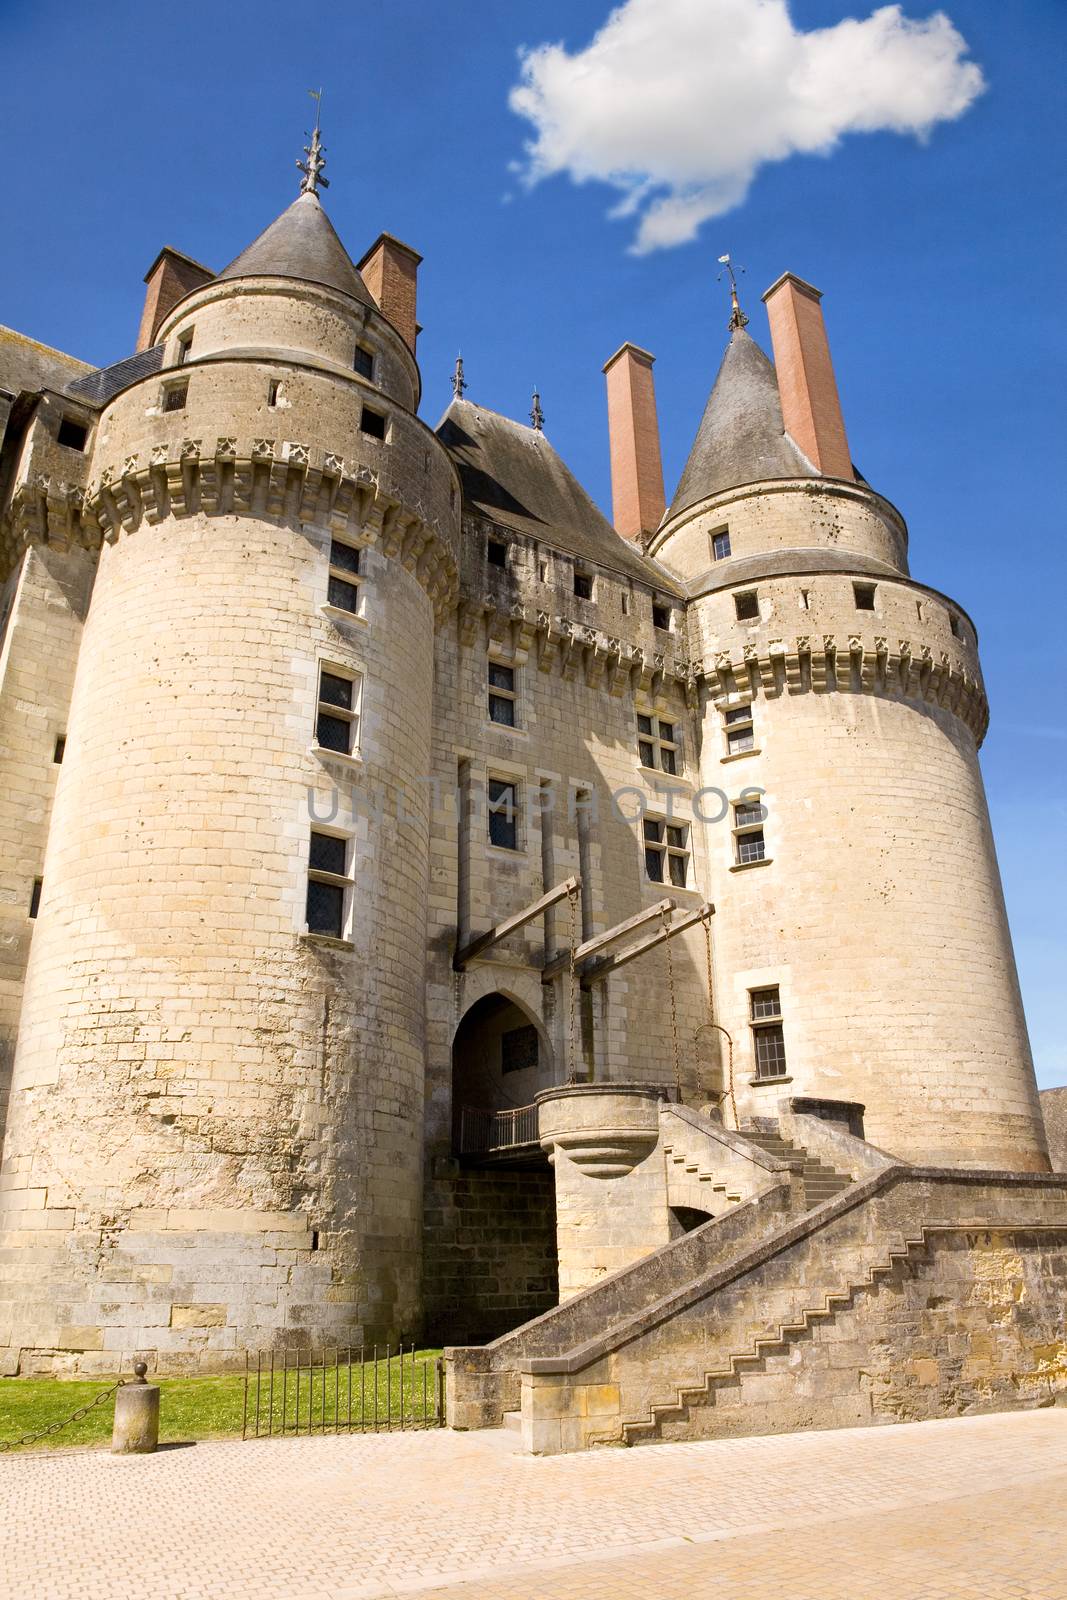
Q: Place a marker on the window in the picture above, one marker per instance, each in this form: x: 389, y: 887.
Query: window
x: 503, y: 813
x: 72, y: 434
x: 661, y: 618
x: 768, y: 1038
x: 185, y: 344
x: 666, y: 852
x: 720, y: 544
x: 956, y: 625
x: 328, y: 884
x: 342, y: 589
x: 749, y: 841
x: 60, y: 750
x: 502, y: 694
x: 518, y: 1049
x: 497, y: 552
x: 583, y: 585
x: 337, y: 717
x: 542, y: 571
x: 805, y: 599
x: 274, y: 389
x: 35, y: 897
x: 747, y: 605
x: 625, y: 601
x: 363, y: 362
x: 864, y: 595
x: 657, y: 743
x: 372, y: 423
x: 174, y: 396
x: 740, y: 734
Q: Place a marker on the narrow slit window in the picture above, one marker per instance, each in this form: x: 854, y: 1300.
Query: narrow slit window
x: 746, y: 605
x: 503, y: 695
x: 274, y: 389
x: 59, y: 750
x: 338, y: 713
x: 956, y: 625
x: 342, y: 590
x: 372, y: 423
x: 35, y: 896
x: 503, y: 808
x: 329, y: 884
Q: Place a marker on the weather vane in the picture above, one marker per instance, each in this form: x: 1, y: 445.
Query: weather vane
x: 459, y: 382
x: 737, y: 316
x: 313, y: 180
x: 537, y: 416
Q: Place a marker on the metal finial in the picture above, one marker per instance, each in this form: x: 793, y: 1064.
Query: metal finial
x: 313, y: 180
x: 737, y: 316
x: 537, y: 416
x: 459, y: 382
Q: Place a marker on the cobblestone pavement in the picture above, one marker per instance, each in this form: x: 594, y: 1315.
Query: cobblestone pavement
x: 930, y: 1511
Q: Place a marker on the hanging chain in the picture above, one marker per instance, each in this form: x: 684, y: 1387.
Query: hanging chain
x: 57, y: 1427
x: 674, y: 1002
x: 706, y: 919
x: 572, y: 896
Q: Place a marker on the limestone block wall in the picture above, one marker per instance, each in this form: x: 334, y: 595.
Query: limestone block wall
x: 43, y: 608
x: 1054, y: 1112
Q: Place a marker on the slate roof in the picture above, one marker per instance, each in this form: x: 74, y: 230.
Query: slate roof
x: 512, y: 475
x: 26, y: 365
x: 301, y: 243
x: 741, y: 438
x: 97, y: 388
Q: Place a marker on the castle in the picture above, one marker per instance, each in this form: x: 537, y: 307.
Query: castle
x: 430, y: 910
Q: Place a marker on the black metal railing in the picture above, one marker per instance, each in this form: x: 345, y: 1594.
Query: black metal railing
x: 482, y: 1133
x: 356, y: 1389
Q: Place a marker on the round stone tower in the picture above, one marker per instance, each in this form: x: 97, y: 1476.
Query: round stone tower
x: 215, y: 1134
x: 862, y: 948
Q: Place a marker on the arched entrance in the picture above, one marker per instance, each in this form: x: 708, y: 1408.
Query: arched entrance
x: 501, y: 1060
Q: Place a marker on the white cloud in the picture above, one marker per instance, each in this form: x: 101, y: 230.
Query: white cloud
x: 678, y: 103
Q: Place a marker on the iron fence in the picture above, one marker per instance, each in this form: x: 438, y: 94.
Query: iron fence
x: 483, y: 1132
x: 357, y: 1389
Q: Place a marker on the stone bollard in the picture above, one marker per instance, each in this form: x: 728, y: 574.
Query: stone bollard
x: 136, y: 1430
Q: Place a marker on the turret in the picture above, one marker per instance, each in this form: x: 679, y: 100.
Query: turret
x: 217, y: 1091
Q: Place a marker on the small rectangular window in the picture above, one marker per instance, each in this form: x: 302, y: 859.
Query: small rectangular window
x: 503, y: 695
x: 666, y: 852
x: 328, y: 884
x: 174, y: 396
x: 658, y: 744
x: 661, y: 618
x: 185, y: 344
x: 740, y: 733
x: 503, y: 813
x: 864, y: 596
x: 274, y: 389
x: 746, y: 605
x: 583, y: 585
x: 496, y: 551
x: 338, y: 713
x: 749, y: 839
x: 625, y: 601
x: 372, y: 423
x: 956, y: 625
x: 342, y: 590
x: 363, y: 362
x: 720, y: 544
x: 542, y: 571
x: 73, y: 435
x: 35, y: 896
x: 60, y: 750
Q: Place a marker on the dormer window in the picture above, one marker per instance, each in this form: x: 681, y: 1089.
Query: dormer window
x: 185, y: 344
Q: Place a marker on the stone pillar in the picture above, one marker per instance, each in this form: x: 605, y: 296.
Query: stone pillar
x: 611, y: 1185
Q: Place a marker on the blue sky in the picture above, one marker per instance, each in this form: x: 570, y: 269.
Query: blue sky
x: 128, y: 126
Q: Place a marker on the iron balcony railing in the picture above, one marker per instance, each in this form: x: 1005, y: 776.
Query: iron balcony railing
x: 483, y: 1133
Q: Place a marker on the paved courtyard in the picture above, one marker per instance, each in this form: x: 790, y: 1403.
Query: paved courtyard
x: 953, y: 1509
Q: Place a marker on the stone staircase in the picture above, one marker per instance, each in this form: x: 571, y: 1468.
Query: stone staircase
x: 705, y: 1188
x: 820, y: 1181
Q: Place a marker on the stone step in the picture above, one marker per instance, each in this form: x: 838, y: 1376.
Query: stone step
x: 513, y: 1421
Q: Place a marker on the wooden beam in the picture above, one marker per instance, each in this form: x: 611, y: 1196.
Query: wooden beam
x: 618, y: 958
x: 599, y: 940
x: 492, y: 936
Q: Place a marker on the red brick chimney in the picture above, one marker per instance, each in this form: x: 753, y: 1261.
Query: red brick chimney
x: 637, y: 499
x: 390, y: 270
x: 170, y: 278
x: 811, y: 409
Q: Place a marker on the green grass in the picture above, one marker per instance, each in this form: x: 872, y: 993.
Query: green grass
x: 213, y: 1408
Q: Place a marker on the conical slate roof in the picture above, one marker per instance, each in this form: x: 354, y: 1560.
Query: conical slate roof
x: 301, y: 243
x: 513, y: 476
x: 741, y: 438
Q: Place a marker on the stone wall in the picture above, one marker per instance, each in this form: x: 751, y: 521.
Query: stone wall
x: 490, y: 1252
x: 1054, y: 1111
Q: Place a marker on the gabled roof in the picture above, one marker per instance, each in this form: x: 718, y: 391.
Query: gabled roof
x: 301, y: 243
x: 741, y: 438
x: 513, y: 476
